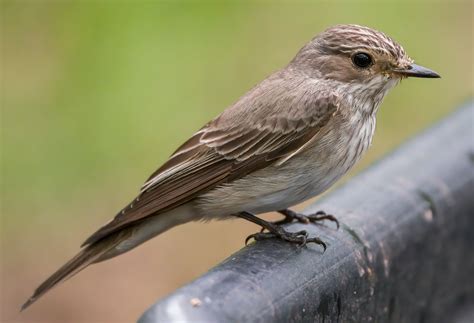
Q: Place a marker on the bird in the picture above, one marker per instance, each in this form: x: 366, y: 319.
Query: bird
x: 286, y: 140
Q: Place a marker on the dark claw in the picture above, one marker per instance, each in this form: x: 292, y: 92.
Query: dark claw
x: 319, y: 242
x: 248, y: 238
x: 291, y: 216
x: 321, y: 215
x: 260, y: 236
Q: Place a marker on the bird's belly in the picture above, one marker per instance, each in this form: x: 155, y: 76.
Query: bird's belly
x: 267, y: 190
x: 303, y: 176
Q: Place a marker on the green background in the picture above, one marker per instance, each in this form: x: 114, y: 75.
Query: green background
x: 95, y: 95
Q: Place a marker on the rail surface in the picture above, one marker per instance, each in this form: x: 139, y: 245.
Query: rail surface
x: 404, y: 252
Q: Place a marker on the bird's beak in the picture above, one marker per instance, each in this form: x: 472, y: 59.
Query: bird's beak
x: 416, y: 71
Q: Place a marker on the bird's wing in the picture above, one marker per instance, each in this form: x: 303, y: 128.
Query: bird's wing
x: 225, y: 149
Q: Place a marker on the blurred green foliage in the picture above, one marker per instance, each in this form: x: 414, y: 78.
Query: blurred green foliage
x: 95, y: 95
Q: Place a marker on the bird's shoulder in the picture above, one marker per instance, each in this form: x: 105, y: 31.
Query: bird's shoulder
x: 285, y: 101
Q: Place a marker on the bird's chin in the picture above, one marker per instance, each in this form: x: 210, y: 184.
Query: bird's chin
x: 390, y: 81
x: 386, y: 82
x: 394, y: 81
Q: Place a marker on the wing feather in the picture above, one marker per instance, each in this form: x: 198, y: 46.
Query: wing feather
x: 219, y: 153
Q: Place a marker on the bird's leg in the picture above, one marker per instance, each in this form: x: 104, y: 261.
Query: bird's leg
x: 291, y: 216
x: 276, y: 231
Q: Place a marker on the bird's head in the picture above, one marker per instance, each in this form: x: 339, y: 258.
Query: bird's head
x: 359, y: 57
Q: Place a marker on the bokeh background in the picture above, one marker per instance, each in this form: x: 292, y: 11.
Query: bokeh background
x: 96, y: 94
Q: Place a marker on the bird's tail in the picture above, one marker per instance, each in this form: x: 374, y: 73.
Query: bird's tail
x: 90, y: 254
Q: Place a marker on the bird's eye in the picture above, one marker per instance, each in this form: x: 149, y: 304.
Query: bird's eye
x: 362, y: 60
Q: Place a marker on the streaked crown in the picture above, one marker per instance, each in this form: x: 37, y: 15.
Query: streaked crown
x: 352, y: 53
x: 347, y: 39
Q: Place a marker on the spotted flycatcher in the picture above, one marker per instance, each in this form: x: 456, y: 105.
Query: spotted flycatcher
x: 286, y: 140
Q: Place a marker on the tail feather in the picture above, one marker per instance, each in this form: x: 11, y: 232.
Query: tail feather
x: 88, y: 255
x: 113, y: 245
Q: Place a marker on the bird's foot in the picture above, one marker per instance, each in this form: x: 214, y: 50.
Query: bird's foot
x: 291, y: 216
x: 300, y: 238
x: 275, y: 231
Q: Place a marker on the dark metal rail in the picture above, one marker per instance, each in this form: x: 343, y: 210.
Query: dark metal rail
x: 404, y: 252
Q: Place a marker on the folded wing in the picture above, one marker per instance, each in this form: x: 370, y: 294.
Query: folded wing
x: 227, y: 148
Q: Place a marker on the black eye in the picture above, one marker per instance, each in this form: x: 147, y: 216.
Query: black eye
x: 362, y: 60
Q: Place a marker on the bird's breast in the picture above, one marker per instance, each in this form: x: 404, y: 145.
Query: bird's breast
x: 303, y: 176
x: 339, y: 148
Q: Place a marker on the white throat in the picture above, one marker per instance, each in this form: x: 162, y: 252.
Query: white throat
x: 366, y: 98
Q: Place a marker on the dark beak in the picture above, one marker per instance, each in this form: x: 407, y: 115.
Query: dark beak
x: 417, y: 71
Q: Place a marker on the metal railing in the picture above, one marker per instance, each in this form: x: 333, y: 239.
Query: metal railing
x: 404, y: 252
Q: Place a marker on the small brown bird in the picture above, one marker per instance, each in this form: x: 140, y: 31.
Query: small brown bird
x: 288, y: 139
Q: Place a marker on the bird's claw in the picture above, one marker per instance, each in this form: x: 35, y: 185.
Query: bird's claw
x: 321, y: 216
x: 291, y: 216
x: 300, y: 238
